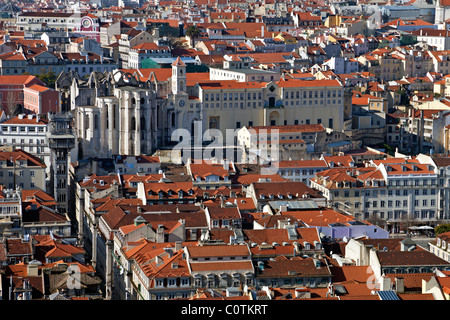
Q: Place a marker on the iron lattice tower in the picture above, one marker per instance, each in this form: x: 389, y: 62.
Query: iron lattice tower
x: 61, y: 139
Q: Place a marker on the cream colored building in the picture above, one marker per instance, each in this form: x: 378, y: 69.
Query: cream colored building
x: 21, y: 169
x: 396, y: 194
x: 231, y: 105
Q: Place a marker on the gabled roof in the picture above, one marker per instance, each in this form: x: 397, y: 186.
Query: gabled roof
x: 178, y: 63
x: 410, y: 258
x: 27, y: 121
x: 20, y: 155
x: 296, y: 189
x: 292, y: 267
x: 19, y: 80
x: 323, y: 217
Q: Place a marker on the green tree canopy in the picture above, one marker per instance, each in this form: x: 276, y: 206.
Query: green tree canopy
x: 193, y: 32
x: 47, y: 77
x: 442, y: 228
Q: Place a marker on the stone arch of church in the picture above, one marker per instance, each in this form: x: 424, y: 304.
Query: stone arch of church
x: 173, y: 119
x: 133, y: 124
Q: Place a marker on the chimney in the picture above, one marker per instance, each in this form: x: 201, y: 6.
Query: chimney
x: 160, y: 234
x: 178, y: 245
x: 385, y: 283
x: 400, y: 285
x: 302, y: 293
x: 32, y: 270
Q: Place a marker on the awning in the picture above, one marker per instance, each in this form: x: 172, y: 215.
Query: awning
x: 422, y: 228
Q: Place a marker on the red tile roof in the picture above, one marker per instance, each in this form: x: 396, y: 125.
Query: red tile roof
x: 20, y: 155
x: 19, y: 80
x: 323, y: 217
x: 297, y: 189
x: 26, y: 121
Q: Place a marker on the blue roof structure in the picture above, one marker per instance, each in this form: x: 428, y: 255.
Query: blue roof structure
x: 387, y: 295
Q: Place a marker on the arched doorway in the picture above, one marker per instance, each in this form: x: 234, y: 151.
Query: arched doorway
x: 274, y: 118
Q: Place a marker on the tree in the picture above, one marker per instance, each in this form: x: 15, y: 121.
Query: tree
x: 193, y: 32
x: 49, y: 78
x: 442, y: 228
x: 12, y: 106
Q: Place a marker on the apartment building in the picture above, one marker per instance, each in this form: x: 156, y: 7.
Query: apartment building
x: 145, y: 51
x: 12, y: 87
x: 35, y: 20
x: 263, y: 193
x: 28, y: 133
x: 169, y: 277
x: 132, y: 39
x: 440, y: 61
x: 13, y: 63
x: 394, y: 193
x: 21, y: 169
x: 434, y: 37
x: 420, y: 131
x: 440, y: 246
x: 221, y: 266
x: 301, y: 170
x: 40, y: 99
x: 10, y: 212
x: 298, y: 141
x: 228, y: 104
x: 141, y: 164
x: 383, y: 64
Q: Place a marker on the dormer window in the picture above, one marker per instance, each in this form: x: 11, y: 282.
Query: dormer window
x: 307, y: 245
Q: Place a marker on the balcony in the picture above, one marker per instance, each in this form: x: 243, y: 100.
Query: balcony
x: 64, y: 143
